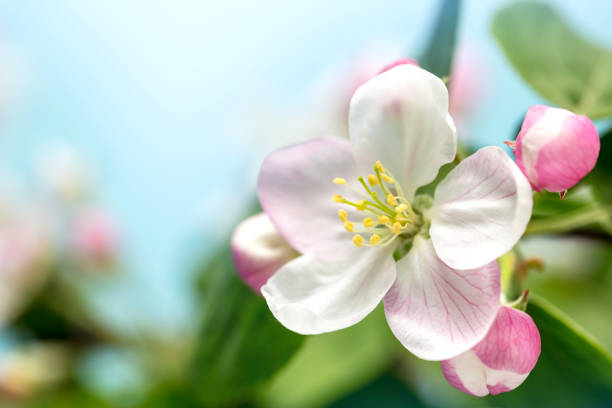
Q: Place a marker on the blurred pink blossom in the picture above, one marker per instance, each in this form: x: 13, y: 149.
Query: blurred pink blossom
x: 94, y: 237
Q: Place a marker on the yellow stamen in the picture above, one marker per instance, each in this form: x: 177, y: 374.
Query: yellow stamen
x: 375, y: 239
x: 368, y: 222
x: 397, y: 227
x: 349, y: 226
x: 337, y: 198
x: 383, y: 219
x: 387, y: 178
x: 372, y: 180
x: 339, y: 180
x: 358, y: 240
x: 361, y: 205
x: 401, y: 208
x: 379, y: 166
x: 391, y: 200
x: 342, y: 214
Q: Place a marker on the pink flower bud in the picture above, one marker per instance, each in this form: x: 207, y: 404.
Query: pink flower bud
x: 401, y: 61
x: 501, y: 361
x: 259, y: 250
x: 555, y: 148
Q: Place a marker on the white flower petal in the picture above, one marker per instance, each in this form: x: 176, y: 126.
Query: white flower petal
x: 400, y: 117
x: 481, y: 209
x: 438, y: 312
x: 259, y: 250
x: 312, y: 297
x: 467, y: 373
x: 295, y: 190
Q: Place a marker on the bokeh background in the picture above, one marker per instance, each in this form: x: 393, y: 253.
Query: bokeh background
x: 130, y: 138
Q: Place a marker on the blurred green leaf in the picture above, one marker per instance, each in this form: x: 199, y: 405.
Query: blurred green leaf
x: 240, y: 345
x: 61, y: 397
x: 386, y: 391
x: 171, y: 396
x: 333, y: 364
x: 574, y: 370
x: 438, y: 55
x: 601, y: 174
x: 557, y: 62
x: 582, y: 212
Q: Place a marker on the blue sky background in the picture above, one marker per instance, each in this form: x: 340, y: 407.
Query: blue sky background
x: 157, y: 93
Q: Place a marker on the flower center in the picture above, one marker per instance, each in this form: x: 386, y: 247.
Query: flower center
x: 387, y: 213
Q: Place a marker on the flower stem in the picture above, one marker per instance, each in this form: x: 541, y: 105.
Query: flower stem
x: 569, y: 222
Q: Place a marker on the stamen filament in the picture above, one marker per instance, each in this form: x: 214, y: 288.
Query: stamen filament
x: 378, y: 176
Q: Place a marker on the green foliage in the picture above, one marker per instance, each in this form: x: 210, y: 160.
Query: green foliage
x: 240, y: 345
x: 601, y: 175
x: 333, y: 364
x: 557, y: 62
x: 386, y: 391
x: 62, y: 398
x: 573, y: 369
x: 438, y: 55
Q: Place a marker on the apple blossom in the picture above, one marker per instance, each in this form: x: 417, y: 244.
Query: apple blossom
x: 442, y: 296
x: 259, y: 250
x: 93, y: 237
x: 501, y: 361
x: 555, y: 148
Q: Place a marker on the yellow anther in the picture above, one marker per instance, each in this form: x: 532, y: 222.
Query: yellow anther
x: 397, y: 227
x: 358, y: 240
x: 342, y: 214
x: 387, y: 178
x: 361, y: 205
x: 401, y: 208
x: 391, y: 200
x: 383, y: 219
x: 375, y: 239
x: 368, y: 222
x: 339, y: 180
x: 348, y: 226
x: 337, y: 198
x: 372, y: 180
x: 378, y: 166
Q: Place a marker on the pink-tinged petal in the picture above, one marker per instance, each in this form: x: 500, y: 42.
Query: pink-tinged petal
x: 555, y: 148
x: 295, y: 190
x: 512, y: 344
x: 400, y: 117
x: 481, y: 209
x: 259, y: 250
x: 501, y: 361
x: 401, y: 61
x: 311, y: 297
x: 438, y: 312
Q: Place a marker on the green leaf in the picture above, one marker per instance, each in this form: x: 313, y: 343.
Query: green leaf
x: 438, y: 55
x: 386, y: 391
x: 557, y: 62
x: 62, y: 397
x: 240, y: 345
x: 573, y: 370
x: 334, y: 364
x: 600, y: 176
